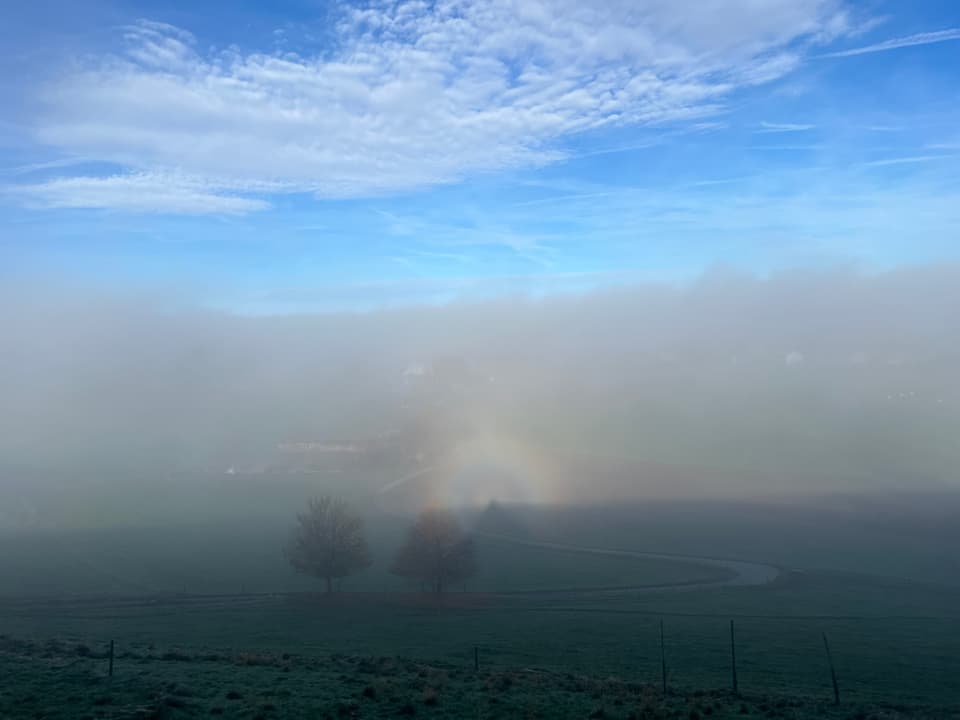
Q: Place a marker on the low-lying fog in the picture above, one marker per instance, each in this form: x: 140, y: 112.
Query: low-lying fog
x: 803, y: 382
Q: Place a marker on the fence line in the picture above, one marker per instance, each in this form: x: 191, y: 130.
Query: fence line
x: 735, y: 686
x: 752, y: 657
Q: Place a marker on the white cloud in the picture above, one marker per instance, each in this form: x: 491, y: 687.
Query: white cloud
x: 925, y: 38
x: 908, y: 160
x: 139, y: 192
x: 409, y: 97
x: 769, y: 127
x: 41, y: 165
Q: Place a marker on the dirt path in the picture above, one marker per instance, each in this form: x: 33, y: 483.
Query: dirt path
x: 739, y: 572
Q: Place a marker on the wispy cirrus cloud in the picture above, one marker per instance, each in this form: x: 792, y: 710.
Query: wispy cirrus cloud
x: 772, y: 127
x: 411, y: 95
x: 41, y: 165
x: 139, y: 192
x: 908, y: 160
x: 924, y: 38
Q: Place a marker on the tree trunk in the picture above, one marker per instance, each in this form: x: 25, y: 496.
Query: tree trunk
x: 329, y: 584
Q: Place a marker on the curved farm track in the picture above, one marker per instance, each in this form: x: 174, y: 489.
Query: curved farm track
x: 738, y: 573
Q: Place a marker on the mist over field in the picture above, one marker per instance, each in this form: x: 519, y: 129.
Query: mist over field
x: 802, y: 382
x: 480, y: 359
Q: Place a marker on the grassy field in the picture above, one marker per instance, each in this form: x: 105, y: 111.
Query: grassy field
x: 234, y: 559
x: 69, y: 680
x: 902, y: 646
x: 895, y: 641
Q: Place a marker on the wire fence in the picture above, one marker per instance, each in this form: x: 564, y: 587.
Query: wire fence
x: 835, y: 660
x: 913, y: 660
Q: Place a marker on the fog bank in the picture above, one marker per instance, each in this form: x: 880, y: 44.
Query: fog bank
x: 800, y: 382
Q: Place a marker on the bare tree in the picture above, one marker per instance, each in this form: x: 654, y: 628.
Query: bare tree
x: 436, y: 552
x: 328, y: 541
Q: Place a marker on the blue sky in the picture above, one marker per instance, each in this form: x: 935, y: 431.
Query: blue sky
x: 292, y: 155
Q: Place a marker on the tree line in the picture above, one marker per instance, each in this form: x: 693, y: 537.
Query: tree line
x: 329, y: 543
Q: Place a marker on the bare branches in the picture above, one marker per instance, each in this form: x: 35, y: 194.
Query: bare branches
x: 436, y: 552
x: 328, y: 541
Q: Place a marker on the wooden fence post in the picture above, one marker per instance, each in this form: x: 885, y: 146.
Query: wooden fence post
x: 833, y: 672
x: 733, y: 659
x: 476, y: 658
x: 110, y: 666
x: 663, y: 660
